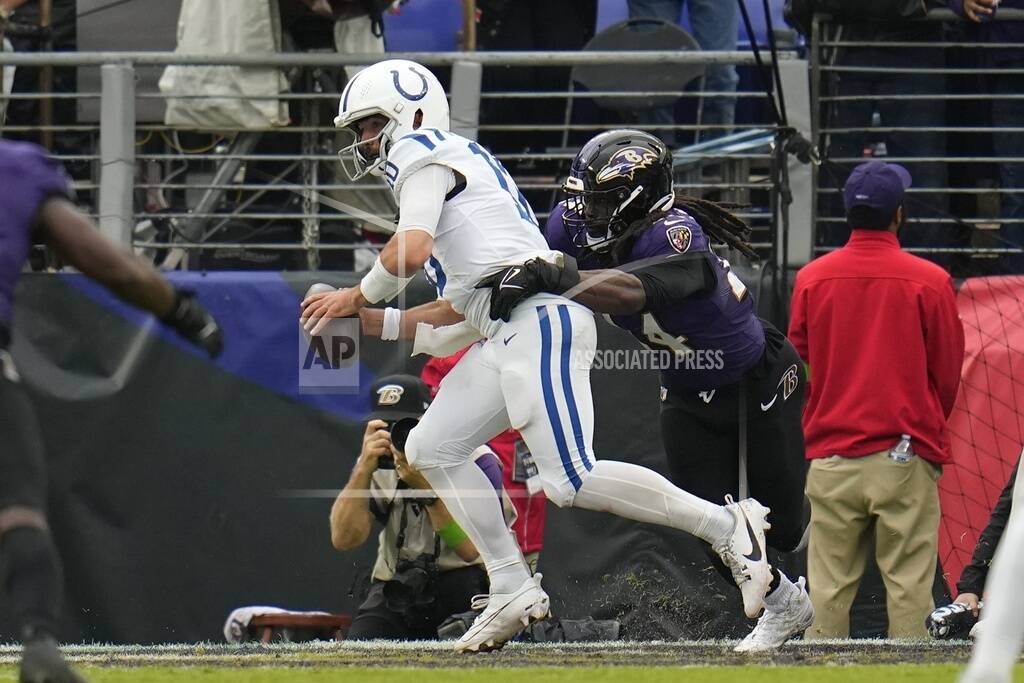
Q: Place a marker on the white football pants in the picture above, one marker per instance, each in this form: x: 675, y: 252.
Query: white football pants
x: 533, y: 376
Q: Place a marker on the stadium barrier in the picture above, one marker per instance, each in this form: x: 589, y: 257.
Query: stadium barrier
x: 275, y: 198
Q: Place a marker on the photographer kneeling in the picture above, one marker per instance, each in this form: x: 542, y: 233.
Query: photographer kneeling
x: 426, y: 568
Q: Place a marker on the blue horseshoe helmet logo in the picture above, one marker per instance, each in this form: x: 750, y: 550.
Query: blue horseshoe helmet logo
x: 403, y: 93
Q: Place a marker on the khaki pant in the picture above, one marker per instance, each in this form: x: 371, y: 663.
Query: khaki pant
x: 898, y: 503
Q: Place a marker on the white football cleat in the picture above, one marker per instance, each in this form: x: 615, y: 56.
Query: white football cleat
x: 505, y: 616
x: 743, y: 552
x: 776, y: 627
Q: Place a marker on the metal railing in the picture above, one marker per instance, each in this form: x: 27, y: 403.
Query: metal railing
x: 275, y: 195
x: 941, y: 103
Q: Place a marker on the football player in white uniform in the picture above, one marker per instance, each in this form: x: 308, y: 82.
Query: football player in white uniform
x: 463, y: 219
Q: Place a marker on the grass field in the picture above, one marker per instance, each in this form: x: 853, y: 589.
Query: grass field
x: 697, y: 662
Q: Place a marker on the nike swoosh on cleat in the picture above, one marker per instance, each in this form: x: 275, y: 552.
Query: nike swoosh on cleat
x: 508, y: 339
x: 766, y: 407
x: 755, y: 553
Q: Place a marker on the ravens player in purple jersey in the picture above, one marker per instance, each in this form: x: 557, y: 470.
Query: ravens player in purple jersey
x: 35, y: 205
x: 642, y: 256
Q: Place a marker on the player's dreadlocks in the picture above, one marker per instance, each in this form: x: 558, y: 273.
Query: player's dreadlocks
x: 716, y: 219
x: 719, y: 223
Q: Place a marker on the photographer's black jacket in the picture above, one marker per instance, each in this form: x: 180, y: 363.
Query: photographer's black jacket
x: 972, y: 580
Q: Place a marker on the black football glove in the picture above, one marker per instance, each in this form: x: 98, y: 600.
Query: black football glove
x: 194, y: 323
x: 511, y: 286
x: 953, y: 621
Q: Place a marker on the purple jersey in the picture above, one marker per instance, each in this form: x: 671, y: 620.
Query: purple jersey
x: 720, y: 326
x: 28, y: 176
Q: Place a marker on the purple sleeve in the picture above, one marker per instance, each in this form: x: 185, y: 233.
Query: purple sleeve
x: 491, y: 466
x: 958, y: 7
x: 29, y: 176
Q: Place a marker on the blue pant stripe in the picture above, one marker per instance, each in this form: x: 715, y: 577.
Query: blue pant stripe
x: 441, y: 278
x: 570, y: 399
x: 549, y: 397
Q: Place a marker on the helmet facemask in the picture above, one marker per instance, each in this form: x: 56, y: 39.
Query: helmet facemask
x: 356, y: 160
x: 596, y: 219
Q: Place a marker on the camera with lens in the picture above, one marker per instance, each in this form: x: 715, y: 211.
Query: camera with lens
x: 413, y: 584
x: 399, y: 431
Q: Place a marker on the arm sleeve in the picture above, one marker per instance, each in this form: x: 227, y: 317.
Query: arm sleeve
x: 668, y: 281
x: 423, y: 196
x: 944, y: 342
x: 798, y: 320
x: 972, y: 580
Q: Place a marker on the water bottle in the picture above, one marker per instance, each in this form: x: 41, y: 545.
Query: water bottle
x: 902, y: 452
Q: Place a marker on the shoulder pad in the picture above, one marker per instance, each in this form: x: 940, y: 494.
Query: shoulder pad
x: 408, y: 155
x: 675, y: 233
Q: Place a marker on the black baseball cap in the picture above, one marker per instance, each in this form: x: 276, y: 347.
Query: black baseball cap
x: 398, y: 396
x: 876, y: 185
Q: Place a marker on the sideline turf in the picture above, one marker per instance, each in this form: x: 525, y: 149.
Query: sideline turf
x: 900, y: 673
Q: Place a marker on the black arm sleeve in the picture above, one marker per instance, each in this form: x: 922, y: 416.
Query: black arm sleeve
x: 972, y: 580
x: 667, y: 281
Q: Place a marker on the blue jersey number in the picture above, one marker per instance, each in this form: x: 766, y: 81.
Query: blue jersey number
x: 503, y: 179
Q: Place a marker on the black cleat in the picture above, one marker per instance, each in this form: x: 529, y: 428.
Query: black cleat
x: 42, y: 662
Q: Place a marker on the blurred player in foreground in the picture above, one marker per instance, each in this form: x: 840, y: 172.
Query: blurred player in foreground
x: 463, y: 216
x: 34, y: 203
x: 997, y: 648
x: 650, y: 266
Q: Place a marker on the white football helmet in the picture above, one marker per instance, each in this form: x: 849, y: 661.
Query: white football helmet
x: 396, y: 89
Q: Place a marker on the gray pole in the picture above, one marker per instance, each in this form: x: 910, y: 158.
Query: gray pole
x: 117, y: 152
x: 465, y: 100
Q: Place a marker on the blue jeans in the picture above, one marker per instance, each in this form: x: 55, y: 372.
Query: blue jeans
x: 715, y: 24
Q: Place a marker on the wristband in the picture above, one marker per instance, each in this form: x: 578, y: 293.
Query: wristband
x: 380, y: 285
x: 452, y: 534
x: 392, y: 324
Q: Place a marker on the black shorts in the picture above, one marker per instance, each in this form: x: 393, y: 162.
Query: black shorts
x: 22, y: 464
x: 701, y: 435
x: 454, y: 591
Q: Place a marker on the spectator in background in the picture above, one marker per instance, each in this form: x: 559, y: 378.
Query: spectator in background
x: 519, y: 475
x: 879, y: 331
x: 529, y: 25
x: 715, y: 24
x: 426, y: 568
x: 877, y: 108
x: 1007, y: 112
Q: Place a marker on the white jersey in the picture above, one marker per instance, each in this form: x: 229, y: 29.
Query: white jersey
x: 485, y: 223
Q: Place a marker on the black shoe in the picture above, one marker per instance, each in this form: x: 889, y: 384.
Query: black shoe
x: 42, y: 662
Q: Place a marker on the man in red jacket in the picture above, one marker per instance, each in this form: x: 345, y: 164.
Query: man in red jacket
x: 879, y: 331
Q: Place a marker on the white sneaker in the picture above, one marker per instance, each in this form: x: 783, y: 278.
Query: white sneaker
x: 776, y: 627
x: 505, y: 616
x: 743, y: 552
